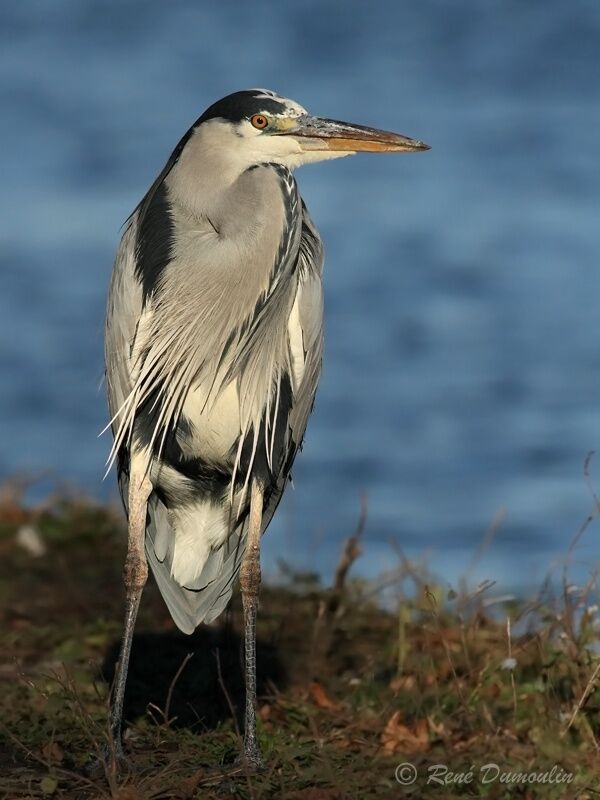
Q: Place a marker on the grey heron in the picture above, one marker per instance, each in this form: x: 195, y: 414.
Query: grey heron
x: 213, y: 352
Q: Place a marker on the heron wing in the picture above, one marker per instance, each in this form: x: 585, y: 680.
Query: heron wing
x: 309, y: 304
x: 129, y: 318
x: 124, y: 309
x: 124, y: 312
x: 189, y: 606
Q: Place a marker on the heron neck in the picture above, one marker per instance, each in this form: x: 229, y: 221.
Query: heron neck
x: 206, y: 170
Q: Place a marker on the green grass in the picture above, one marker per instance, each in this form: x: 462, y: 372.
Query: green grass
x: 347, y: 691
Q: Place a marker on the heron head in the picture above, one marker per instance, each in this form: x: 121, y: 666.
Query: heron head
x: 259, y: 126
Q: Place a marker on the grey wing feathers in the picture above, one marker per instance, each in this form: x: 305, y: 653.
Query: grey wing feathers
x: 122, y: 317
x: 310, y: 312
x: 212, y: 593
x: 207, y: 597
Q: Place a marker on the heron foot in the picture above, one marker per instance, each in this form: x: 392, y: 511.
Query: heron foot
x: 113, y: 760
x: 251, y: 758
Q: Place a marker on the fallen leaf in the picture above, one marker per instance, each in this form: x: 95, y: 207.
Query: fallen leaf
x: 52, y: 753
x: 320, y: 696
x: 403, y: 683
x: 398, y: 737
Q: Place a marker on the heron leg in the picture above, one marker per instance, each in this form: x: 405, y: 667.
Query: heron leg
x: 250, y: 585
x: 135, y: 574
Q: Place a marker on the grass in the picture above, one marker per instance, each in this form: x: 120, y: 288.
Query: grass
x: 348, y: 692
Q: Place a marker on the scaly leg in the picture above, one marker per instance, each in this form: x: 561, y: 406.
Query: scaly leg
x: 135, y: 574
x: 250, y: 584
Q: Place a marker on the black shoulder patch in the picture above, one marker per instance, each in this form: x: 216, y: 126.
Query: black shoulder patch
x: 241, y: 105
x: 154, y: 242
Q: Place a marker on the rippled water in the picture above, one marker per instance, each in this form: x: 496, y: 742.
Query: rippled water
x: 462, y: 361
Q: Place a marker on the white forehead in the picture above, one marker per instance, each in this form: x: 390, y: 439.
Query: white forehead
x: 292, y: 109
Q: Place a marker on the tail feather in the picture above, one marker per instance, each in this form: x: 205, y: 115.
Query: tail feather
x: 207, y: 597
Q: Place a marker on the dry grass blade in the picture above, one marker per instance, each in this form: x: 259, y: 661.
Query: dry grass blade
x: 582, y: 700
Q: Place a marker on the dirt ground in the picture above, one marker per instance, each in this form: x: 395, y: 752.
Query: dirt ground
x: 348, y: 692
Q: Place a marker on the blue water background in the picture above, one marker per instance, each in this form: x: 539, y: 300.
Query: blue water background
x: 462, y: 364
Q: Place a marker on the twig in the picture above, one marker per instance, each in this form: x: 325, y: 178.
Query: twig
x: 352, y: 550
x: 582, y: 700
x: 588, y: 478
x: 172, y: 687
x: 568, y: 617
x: 486, y: 542
x: 330, y: 605
x: 434, y: 613
x: 227, y: 695
x: 512, y: 674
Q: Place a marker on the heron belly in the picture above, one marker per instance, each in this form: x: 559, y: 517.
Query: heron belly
x: 214, y: 426
x: 195, y: 475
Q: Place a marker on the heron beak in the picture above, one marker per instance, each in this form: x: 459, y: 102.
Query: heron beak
x: 316, y: 133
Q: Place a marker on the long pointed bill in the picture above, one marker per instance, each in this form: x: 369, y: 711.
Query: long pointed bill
x: 316, y: 133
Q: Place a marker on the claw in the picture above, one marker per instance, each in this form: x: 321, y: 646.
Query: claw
x: 251, y: 759
x: 113, y: 760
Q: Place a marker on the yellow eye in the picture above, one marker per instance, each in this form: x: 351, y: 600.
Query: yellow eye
x: 259, y: 121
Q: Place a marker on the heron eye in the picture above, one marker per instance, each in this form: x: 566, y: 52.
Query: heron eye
x: 259, y: 121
